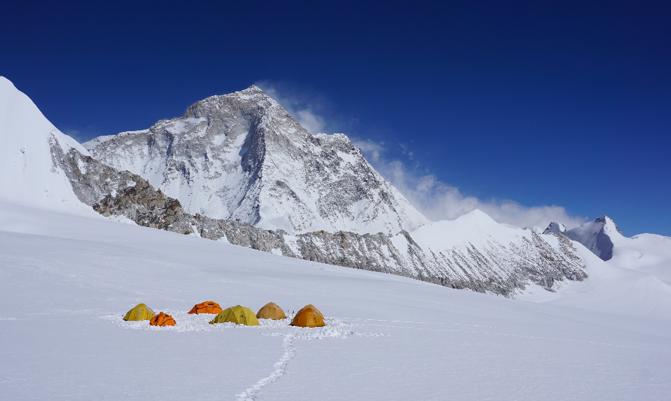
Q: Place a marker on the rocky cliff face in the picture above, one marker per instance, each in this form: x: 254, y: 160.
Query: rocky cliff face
x: 491, y: 258
x: 242, y: 157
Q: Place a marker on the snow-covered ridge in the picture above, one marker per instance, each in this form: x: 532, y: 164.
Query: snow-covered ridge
x: 29, y: 175
x: 472, y: 251
x: 243, y: 157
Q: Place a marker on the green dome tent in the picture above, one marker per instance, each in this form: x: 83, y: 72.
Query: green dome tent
x: 238, y: 315
x: 139, y: 312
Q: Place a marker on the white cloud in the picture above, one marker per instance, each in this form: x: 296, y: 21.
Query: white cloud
x: 439, y: 200
x: 436, y: 199
x: 372, y: 150
x: 297, y: 105
x: 310, y: 120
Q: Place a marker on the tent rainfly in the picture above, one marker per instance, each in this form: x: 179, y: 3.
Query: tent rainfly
x: 236, y: 314
x: 162, y: 319
x: 309, y: 316
x: 207, y: 307
x: 271, y: 311
x: 139, y: 312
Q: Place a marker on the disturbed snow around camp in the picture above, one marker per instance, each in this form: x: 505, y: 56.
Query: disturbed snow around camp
x: 66, y: 281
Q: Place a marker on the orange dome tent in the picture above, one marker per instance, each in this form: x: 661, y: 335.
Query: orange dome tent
x: 206, y: 307
x: 271, y: 311
x: 309, y: 316
x: 162, y: 319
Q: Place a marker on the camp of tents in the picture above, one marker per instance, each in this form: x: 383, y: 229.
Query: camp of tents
x: 308, y: 316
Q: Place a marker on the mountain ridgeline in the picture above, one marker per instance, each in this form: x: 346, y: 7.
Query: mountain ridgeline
x: 239, y: 168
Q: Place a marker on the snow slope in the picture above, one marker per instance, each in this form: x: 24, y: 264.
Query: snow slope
x: 241, y: 156
x: 28, y: 174
x: 65, y: 282
x: 647, y: 253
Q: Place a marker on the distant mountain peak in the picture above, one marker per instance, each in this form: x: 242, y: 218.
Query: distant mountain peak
x: 477, y: 216
x: 555, y: 228
x: 253, y: 89
x: 599, y: 236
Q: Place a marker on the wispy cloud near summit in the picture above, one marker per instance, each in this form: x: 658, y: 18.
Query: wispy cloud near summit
x: 438, y: 200
x: 300, y: 106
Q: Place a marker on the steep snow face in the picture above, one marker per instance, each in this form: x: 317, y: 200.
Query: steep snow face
x: 243, y: 157
x: 28, y: 172
x: 599, y: 236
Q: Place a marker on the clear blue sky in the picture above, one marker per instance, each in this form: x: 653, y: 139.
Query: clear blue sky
x: 539, y: 103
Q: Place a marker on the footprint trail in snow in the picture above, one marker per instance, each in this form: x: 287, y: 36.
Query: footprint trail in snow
x: 280, y: 368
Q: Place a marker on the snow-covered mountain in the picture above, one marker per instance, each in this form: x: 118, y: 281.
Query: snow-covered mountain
x: 242, y: 157
x: 30, y: 175
x: 644, y: 252
x: 472, y: 252
x: 67, y: 279
x: 598, y: 236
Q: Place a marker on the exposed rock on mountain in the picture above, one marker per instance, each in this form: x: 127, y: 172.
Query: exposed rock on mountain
x: 598, y: 236
x: 242, y: 157
x: 472, y: 252
x: 555, y: 228
x: 332, y: 186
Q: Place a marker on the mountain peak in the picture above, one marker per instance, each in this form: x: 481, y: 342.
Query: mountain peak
x: 250, y: 101
x: 243, y: 157
x: 555, y: 228
x: 253, y: 89
x: 476, y: 216
x: 599, y: 236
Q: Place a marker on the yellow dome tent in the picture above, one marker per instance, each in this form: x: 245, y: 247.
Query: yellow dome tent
x: 206, y: 307
x: 271, y: 311
x: 139, y: 312
x: 238, y: 315
x: 309, y: 316
x: 162, y: 319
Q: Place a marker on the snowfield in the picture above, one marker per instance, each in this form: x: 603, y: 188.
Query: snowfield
x: 66, y: 280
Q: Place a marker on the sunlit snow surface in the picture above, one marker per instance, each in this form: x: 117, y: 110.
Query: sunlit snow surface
x: 65, y: 282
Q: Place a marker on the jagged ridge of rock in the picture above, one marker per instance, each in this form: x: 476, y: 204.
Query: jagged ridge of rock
x: 473, y: 252
x: 242, y: 157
